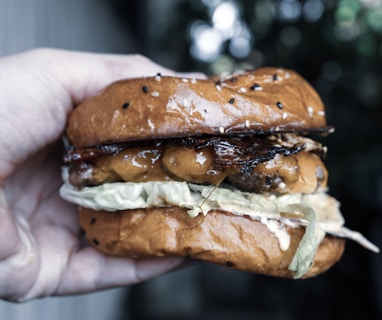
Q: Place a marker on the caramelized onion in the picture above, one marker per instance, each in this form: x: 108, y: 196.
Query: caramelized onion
x: 257, y: 163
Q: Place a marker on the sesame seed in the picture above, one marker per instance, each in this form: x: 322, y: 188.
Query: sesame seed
x: 95, y: 241
x: 157, y: 77
x: 256, y: 87
x: 125, y: 105
x: 193, y: 80
x: 221, y: 129
x: 229, y: 264
x: 234, y: 79
x: 219, y: 88
x: 282, y: 185
x: 310, y: 111
x: 321, y: 113
x: 242, y: 90
x: 232, y: 101
x: 247, y: 123
x: 151, y: 124
x: 145, y: 89
x: 274, y: 77
x: 287, y: 75
x: 185, y: 80
x: 285, y: 115
x: 155, y: 94
x: 279, y: 105
x: 92, y: 220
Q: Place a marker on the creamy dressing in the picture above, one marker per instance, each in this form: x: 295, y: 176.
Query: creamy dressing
x: 279, y: 231
x: 201, y: 199
x: 318, y: 212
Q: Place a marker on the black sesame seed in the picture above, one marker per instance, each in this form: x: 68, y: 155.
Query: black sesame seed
x: 92, y: 221
x: 231, y: 101
x: 234, y: 79
x: 159, y: 74
x: 125, y: 105
x: 82, y: 232
x: 145, y: 89
x: 255, y: 86
x: 205, y: 110
x: 275, y: 77
x: 95, y: 241
x: 279, y: 105
x: 229, y: 264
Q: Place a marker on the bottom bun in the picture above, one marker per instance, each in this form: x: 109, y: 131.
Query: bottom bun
x: 237, y: 242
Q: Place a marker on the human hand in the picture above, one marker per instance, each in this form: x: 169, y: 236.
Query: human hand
x: 41, y: 252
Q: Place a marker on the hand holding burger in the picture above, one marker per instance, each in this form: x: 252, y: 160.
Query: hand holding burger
x: 41, y: 251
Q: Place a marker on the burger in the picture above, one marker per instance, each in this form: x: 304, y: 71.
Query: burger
x: 226, y: 170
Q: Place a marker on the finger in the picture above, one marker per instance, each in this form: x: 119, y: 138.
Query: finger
x: 83, y: 74
x: 91, y: 72
x: 89, y: 270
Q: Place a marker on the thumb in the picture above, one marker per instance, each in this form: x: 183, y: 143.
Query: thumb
x: 84, y: 74
x: 41, y: 86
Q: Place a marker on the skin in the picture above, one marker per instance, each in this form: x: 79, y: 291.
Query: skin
x: 41, y: 250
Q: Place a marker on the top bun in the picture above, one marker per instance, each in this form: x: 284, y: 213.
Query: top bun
x: 266, y: 100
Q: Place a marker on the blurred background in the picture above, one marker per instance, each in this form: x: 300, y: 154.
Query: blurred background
x: 335, y: 45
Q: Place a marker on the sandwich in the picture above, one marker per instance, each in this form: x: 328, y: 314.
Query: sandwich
x: 227, y: 170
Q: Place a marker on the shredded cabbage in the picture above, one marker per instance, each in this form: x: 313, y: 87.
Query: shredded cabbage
x: 307, y: 248
x: 320, y: 212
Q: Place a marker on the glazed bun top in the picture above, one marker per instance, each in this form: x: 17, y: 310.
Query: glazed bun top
x: 266, y: 100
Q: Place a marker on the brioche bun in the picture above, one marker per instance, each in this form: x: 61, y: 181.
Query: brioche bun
x: 232, y: 241
x: 266, y: 100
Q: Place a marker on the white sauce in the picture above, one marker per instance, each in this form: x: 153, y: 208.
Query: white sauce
x: 201, y: 199
x: 279, y: 231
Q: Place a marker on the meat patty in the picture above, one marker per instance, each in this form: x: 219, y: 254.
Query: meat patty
x: 260, y: 164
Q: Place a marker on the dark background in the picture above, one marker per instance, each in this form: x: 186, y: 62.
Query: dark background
x: 336, y: 46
